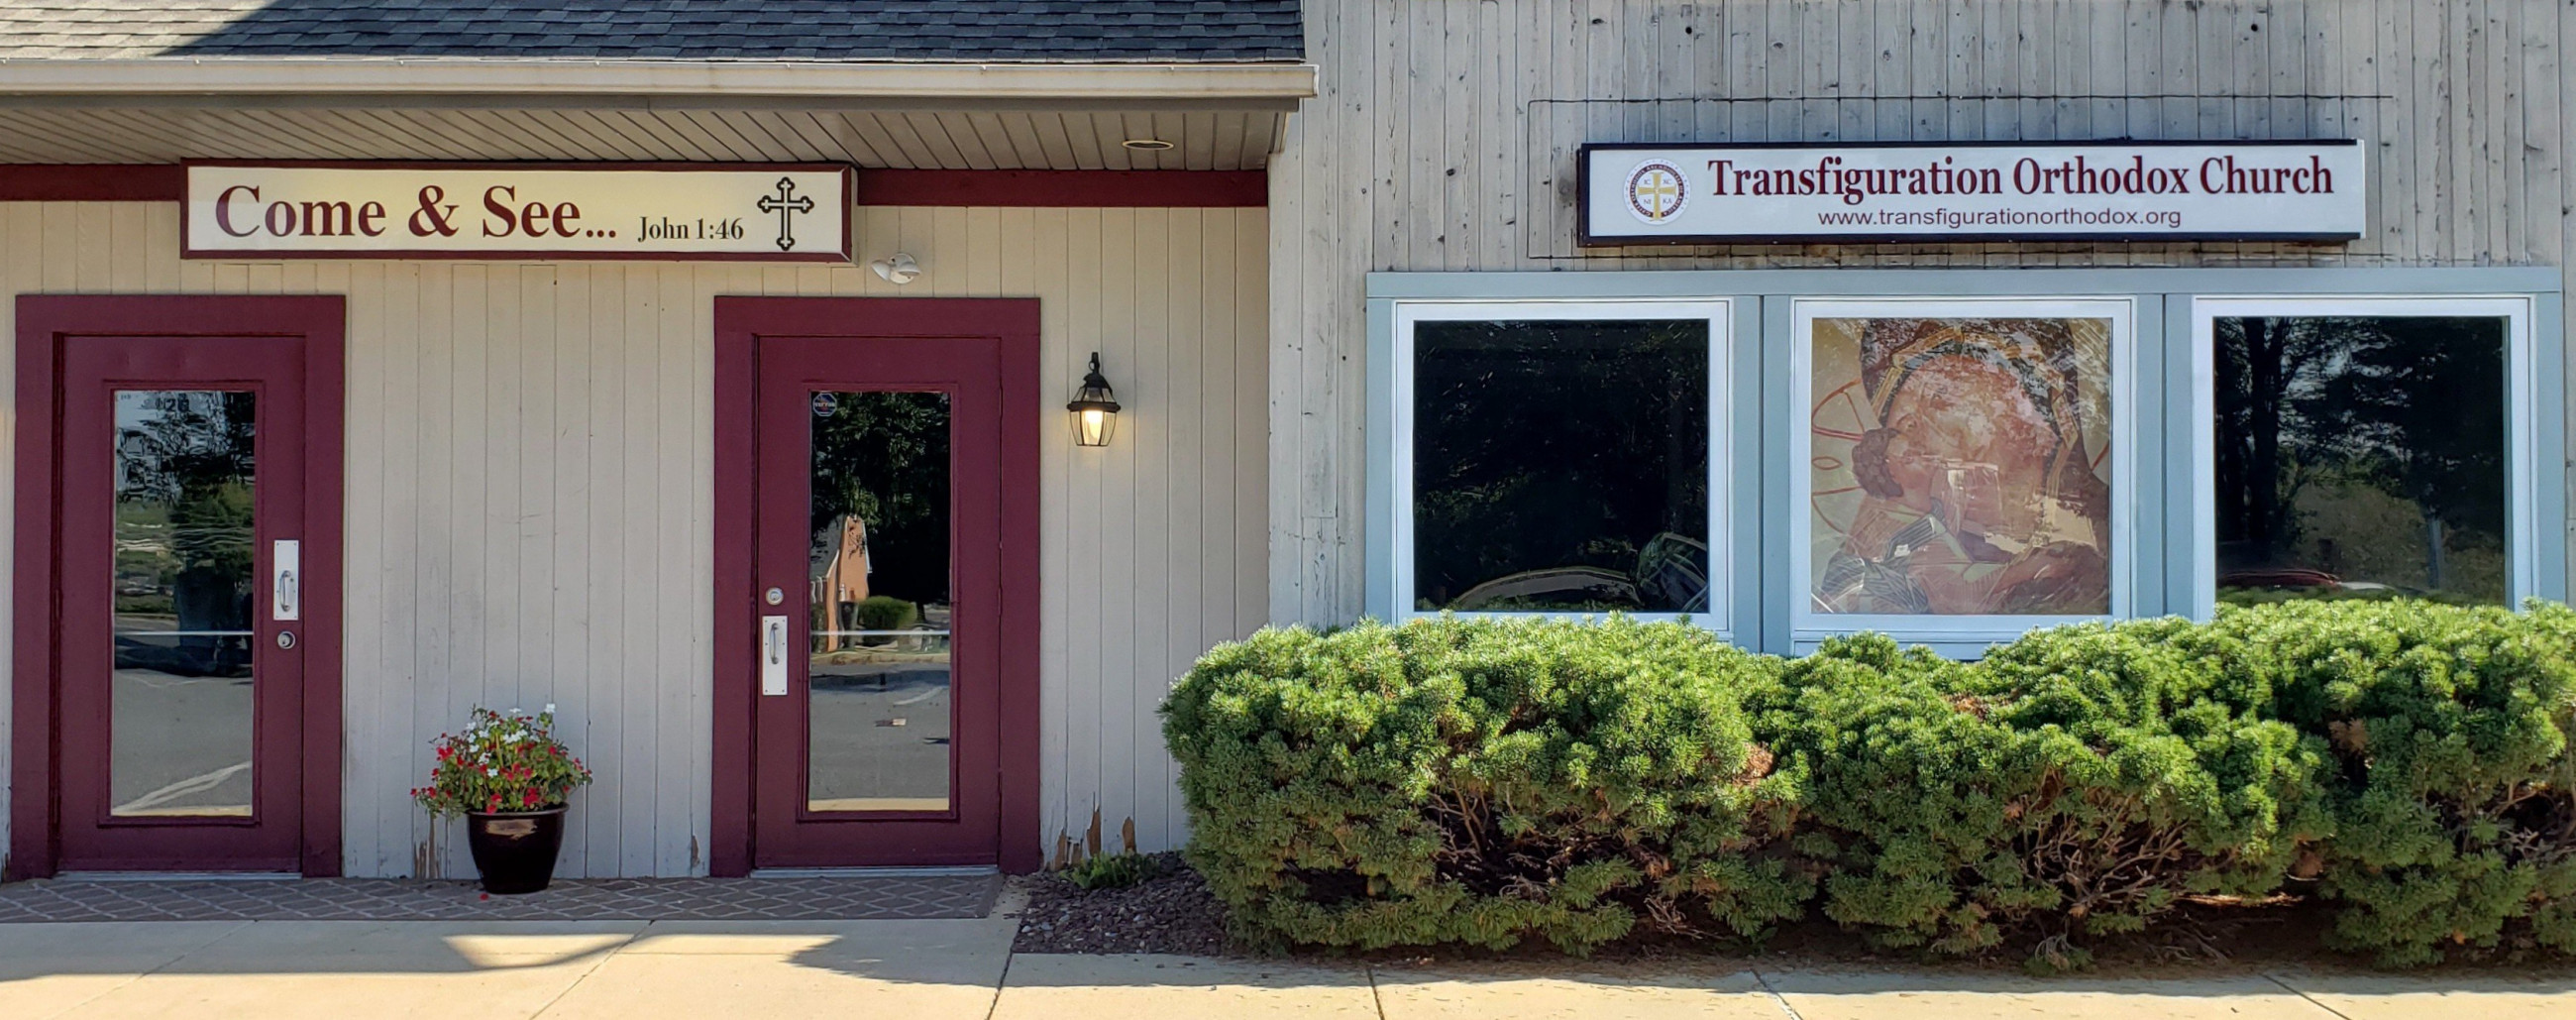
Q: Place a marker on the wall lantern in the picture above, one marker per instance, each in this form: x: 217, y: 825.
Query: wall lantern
x: 1094, y: 407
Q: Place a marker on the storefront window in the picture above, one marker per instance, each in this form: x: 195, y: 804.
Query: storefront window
x: 1959, y: 463
x: 1562, y: 464
x: 1926, y: 455
x: 2359, y: 455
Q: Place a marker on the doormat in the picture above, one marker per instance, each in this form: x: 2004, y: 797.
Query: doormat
x: 839, y: 898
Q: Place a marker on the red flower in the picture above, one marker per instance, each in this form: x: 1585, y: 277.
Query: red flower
x: 531, y: 798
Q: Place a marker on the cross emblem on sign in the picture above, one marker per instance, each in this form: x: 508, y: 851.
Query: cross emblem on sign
x: 787, y: 203
x: 1655, y: 190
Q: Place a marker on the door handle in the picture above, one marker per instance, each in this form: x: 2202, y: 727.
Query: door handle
x: 773, y: 656
x: 286, y: 586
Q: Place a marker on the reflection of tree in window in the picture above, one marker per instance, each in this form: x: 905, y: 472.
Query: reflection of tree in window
x: 2360, y: 457
x: 1561, y: 466
x: 184, y: 540
x: 883, y: 458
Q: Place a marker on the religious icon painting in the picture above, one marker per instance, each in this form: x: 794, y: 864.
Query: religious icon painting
x: 1960, y: 458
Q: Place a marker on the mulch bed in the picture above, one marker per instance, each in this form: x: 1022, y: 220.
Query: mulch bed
x: 1170, y: 913
x: 1175, y: 913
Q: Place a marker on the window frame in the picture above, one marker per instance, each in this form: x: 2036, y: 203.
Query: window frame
x: 2519, y: 406
x: 1807, y: 625
x: 1330, y: 460
x: 1718, y: 312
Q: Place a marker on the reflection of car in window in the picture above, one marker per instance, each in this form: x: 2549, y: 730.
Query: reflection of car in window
x: 2253, y: 587
x: 1551, y: 588
x: 1671, y: 571
x: 2284, y: 577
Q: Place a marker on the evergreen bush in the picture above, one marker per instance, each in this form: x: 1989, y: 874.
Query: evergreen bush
x: 886, y: 612
x: 2455, y: 792
x: 2079, y: 781
x: 1481, y: 782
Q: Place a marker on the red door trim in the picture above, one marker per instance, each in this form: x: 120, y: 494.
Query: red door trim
x: 93, y: 182
x: 44, y: 324
x: 738, y: 322
x: 1158, y: 189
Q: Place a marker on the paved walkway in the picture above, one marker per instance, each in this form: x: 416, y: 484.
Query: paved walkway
x: 963, y: 969
x: 870, y: 897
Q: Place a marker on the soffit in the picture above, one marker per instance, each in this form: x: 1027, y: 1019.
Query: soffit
x: 969, y: 139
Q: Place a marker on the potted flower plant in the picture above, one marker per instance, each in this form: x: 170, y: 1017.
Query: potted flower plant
x: 508, y: 776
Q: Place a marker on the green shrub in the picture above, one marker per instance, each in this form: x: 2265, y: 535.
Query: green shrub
x: 2456, y: 795
x: 2079, y: 781
x: 886, y: 612
x: 1481, y: 783
x: 1112, y: 871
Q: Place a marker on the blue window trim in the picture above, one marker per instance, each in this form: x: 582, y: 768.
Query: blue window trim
x: 2162, y: 443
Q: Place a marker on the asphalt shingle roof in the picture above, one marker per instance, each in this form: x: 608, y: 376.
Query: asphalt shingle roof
x: 960, y: 30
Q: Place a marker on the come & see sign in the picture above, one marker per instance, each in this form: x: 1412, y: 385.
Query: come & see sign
x: 2015, y: 191
x: 765, y: 212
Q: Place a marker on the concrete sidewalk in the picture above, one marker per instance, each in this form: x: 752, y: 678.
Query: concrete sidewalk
x: 937, y: 970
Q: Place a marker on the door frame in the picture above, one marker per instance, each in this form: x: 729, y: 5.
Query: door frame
x: 739, y: 323
x: 46, y: 322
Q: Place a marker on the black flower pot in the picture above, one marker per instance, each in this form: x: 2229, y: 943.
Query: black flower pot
x: 515, y: 850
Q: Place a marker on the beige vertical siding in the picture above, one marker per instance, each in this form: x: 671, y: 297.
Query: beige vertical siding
x: 529, y: 465
x: 1444, y: 134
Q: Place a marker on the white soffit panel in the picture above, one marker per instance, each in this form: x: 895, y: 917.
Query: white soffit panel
x: 886, y: 114
x: 950, y: 139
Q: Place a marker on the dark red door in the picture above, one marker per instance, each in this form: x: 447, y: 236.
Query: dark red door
x: 177, y: 580
x: 886, y: 602
x: 182, y: 524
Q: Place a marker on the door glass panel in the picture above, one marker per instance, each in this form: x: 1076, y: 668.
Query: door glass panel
x: 2360, y: 457
x: 183, y: 591
x: 879, y: 700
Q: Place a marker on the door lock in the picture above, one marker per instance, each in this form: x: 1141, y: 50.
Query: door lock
x: 285, y: 639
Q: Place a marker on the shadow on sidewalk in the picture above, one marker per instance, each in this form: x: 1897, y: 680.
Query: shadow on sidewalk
x: 672, y: 961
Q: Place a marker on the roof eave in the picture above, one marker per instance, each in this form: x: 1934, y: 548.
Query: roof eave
x: 476, y: 81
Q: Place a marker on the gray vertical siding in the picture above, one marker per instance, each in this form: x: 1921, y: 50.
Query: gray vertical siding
x: 1444, y: 134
